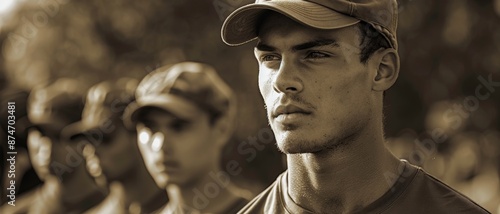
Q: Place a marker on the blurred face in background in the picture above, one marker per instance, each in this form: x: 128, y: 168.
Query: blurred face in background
x: 117, y: 152
x: 177, y: 150
x: 40, y: 151
x: 49, y: 154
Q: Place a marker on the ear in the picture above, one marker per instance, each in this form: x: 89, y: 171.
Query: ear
x: 387, y: 65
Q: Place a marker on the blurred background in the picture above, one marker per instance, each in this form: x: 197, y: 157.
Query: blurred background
x: 443, y: 113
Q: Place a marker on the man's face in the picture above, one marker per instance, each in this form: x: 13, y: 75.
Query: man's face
x: 118, y: 152
x: 52, y: 156
x: 176, y: 150
x: 40, y: 150
x: 316, y: 90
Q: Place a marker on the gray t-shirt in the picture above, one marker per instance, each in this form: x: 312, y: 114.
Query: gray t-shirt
x: 414, y: 192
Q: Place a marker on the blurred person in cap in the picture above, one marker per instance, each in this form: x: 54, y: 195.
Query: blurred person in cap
x: 323, y: 68
x: 111, y: 150
x: 67, y: 187
x: 184, y: 116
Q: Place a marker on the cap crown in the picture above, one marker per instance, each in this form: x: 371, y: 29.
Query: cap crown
x: 382, y: 14
x: 108, y: 100
x: 194, y: 82
x: 62, y: 101
x: 241, y: 25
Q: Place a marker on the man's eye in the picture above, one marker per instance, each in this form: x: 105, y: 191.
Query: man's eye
x: 108, y: 138
x: 316, y: 55
x: 179, y: 125
x: 267, y: 58
x: 144, y: 134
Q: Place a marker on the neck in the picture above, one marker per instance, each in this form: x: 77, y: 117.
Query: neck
x: 140, y: 187
x: 79, y: 192
x: 337, y: 180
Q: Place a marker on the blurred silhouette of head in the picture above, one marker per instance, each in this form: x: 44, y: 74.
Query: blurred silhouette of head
x: 50, y: 109
x: 102, y: 127
x: 183, y: 114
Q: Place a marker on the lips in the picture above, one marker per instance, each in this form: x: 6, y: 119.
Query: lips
x: 167, y: 166
x: 287, y: 110
x: 171, y: 164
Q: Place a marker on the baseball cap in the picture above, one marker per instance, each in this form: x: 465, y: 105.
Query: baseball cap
x: 241, y: 26
x: 52, y: 107
x: 182, y: 89
x: 105, y: 103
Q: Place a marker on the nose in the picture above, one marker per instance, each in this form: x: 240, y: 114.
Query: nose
x: 287, y: 79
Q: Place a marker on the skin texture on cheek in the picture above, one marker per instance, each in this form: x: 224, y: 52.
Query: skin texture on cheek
x: 265, y: 87
x: 187, y: 154
x: 41, y: 160
x: 119, y: 156
x: 344, y: 105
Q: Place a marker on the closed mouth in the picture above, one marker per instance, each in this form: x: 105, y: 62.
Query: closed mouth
x: 286, y: 110
x: 167, y: 166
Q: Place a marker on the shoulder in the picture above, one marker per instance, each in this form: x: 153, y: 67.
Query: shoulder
x: 113, y: 203
x: 268, y: 201
x: 428, y: 194
x: 237, y: 205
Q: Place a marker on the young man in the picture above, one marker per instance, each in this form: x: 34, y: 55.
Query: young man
x: 323, y: 68
x: 112, y: 149
x: 67, y: 186
x: 184, y: 114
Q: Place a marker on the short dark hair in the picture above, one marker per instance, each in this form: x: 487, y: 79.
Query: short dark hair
x: 371, y: 40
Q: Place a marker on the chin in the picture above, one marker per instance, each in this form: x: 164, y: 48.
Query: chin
x: 177, y: 178
x: 297, y: 143
x: 290, y: 144
x: 298, y: 148
x: 161, y: 180
x: 43, y: 174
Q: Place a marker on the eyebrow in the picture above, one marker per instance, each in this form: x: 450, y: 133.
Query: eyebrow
x: 304, y: 46
x: 315, y: 43
x: 147, y: 122
x: 263, y: 47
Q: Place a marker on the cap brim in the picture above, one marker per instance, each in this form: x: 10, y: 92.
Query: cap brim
x: 50, y: 126
x: 240, y: 26
x: 174, y: 104
x: 63, y: 132
x: 94, y: 119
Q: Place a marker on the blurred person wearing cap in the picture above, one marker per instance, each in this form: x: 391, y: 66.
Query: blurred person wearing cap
x: 112, y: 150
x: 67, y: 187
x: 184, y: 116
x: 323, y: 68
